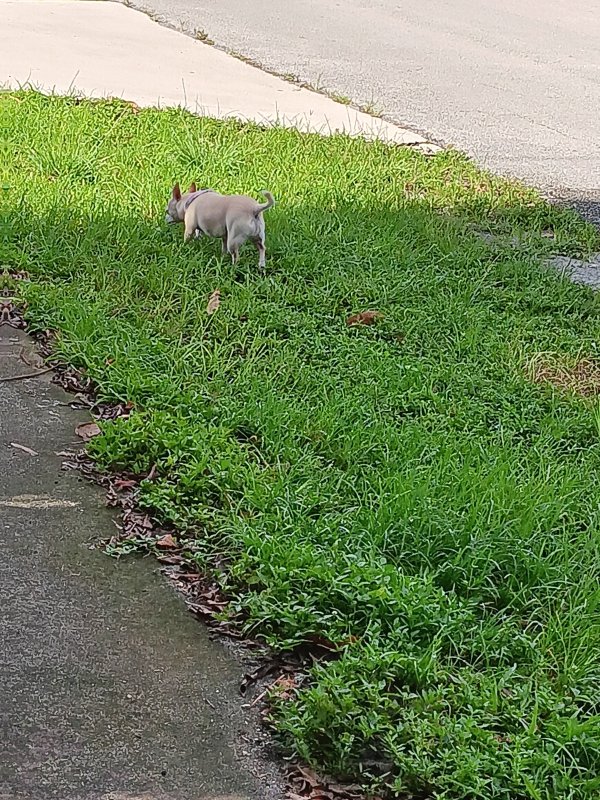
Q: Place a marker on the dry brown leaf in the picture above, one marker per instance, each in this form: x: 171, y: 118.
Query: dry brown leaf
x: 166, y: 541
x: 24, y: 448
x: 284, y: 687
x: 214, y: 302
x: 364, y: 318
x: 87, y: 431
x: 310, y: 776
x: 124, y: 483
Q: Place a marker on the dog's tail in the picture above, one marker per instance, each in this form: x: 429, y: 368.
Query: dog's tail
x: 264, y: 206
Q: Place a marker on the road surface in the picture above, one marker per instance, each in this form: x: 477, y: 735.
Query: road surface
x: 515, y: 84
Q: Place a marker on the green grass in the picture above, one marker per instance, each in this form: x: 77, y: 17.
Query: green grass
x: 402, y: 490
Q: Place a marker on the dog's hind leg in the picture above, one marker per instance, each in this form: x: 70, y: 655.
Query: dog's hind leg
x: 233, y: 249
x: 260, y: 246
x: 259, y: 242
x: 235, y: 239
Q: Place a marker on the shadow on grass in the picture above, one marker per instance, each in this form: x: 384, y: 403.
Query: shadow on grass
x: 585, y: 203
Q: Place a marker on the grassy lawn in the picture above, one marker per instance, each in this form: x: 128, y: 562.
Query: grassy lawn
x: 408, y: 490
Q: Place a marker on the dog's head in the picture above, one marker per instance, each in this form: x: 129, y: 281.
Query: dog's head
x: 175, y: 209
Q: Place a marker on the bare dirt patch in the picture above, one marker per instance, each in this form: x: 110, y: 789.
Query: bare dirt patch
x: 581, y: 376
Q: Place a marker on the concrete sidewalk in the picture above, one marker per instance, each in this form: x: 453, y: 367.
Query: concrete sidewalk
x: 514, y: 84
x: 106, y: 49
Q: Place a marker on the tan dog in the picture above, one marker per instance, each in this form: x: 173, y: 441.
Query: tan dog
x: 233, y: 218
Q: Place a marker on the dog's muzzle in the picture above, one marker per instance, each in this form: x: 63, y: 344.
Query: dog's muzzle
x: 169, y: 219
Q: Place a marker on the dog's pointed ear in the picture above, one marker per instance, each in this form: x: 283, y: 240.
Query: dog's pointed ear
x: 177, y: 192
x: 192, y: 188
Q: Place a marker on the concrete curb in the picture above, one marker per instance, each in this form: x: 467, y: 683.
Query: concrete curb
x: 102, y: 49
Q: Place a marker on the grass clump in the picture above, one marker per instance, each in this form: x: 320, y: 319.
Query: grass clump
x: 407, y: 490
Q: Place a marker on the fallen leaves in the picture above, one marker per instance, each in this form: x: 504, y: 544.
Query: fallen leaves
x: 113, y: 410
x: 214, y: 302
x: 364, y: 318
x: 261, y: 672
x: 284, y: 687
x: 203, y: 597
x: 138, y: 531
x: 272, y: 689
x: 79, y: 384
x: 305, y: 784
x: 10, y: 314
x: 88, y: 430
x: 13, y: 275
x: 167, y: 541
x: 124, y: 483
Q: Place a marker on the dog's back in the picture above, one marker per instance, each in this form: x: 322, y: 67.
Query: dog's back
x: 217, y: 213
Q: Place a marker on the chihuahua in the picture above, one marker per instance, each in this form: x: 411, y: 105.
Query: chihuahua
x: 233, y: 218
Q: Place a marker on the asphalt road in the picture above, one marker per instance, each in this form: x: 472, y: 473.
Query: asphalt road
x: 515, y: 84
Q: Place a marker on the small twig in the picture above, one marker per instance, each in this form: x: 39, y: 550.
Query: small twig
x: 152, y: 474
x: 259, y: 697
x: 27, y: 375
x: 24, y: 448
